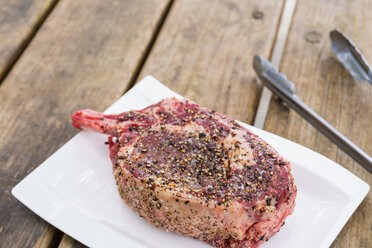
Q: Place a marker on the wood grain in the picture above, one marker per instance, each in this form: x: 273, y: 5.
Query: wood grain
x: 84, y: 55
x: 68, y: 242
x: 327, y: 87
x: 276, y: 56
x: 49, y: 237
x: 204, y: 52
x: 19, y: 19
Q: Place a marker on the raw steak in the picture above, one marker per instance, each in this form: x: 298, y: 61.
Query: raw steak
x: 191, y: 170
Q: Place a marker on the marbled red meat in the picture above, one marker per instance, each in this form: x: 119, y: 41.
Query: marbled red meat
x: 191, y: 170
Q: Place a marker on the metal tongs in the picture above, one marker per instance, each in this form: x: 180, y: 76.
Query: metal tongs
x: 285, y: 89
x: 350, y: 56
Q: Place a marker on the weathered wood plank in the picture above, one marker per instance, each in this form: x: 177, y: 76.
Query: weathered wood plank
x: 84, y: 55
x: 68, y: 242
x: 205, y: 49
x: 19, y: 19
x: 327, y: 87
x: 50, y: 237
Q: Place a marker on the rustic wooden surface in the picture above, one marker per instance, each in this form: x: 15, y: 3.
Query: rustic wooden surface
x: 84, y: 55
x: 49, y: 237
x: 19, y: 20
x: 204, y: 52
x: 327, y: 87
x: 68, y: 242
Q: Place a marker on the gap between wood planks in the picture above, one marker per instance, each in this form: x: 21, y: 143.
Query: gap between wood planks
x: 275, y: 57
x: 22, y: 47
x: 147, y: 51
x: 53, y: 236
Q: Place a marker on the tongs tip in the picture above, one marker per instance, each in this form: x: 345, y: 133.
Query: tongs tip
x: 271, y: 77
x: 350, y: 56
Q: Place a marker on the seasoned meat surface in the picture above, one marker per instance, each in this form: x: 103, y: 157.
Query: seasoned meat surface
x: 191, y: 170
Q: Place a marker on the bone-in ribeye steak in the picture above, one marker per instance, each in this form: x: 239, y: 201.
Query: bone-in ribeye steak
x: 191, y: 170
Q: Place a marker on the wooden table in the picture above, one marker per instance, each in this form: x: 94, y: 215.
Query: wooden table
x: 58, y: 56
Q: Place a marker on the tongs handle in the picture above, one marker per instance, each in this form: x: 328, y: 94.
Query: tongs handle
x: 283, y: 88
x: 330, y: 132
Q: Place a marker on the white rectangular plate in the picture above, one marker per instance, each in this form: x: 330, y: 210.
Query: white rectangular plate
x: 75, y: 191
